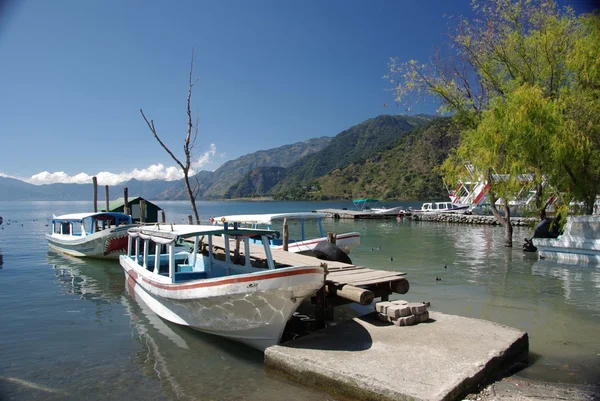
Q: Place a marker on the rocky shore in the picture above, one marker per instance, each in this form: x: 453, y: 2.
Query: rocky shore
x: 471, y: 219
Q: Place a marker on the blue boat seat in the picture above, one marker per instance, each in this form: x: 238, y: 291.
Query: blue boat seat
x: 189, y: 275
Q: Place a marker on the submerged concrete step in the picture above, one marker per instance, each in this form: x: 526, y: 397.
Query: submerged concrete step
x: 367, y: 359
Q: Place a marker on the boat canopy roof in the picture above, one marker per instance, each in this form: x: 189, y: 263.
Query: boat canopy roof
x: 268, y: 218
x: 365, y: 200
x: 168, y: 233
x: 78, y: 217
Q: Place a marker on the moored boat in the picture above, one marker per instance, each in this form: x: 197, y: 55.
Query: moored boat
x: 206, y: 288
x: 299, y: 242
x: 373, y: 206
x: 96, y: 235
x: 579, y: 243
x: 443, y: 207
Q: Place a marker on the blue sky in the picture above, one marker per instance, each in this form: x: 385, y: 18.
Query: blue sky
x: 74, y: 74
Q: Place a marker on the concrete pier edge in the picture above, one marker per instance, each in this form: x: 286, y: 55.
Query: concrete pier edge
x: 317, y: 374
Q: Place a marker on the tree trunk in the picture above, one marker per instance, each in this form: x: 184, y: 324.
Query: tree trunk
x: 502, y: 220
x: 539, y: 201
x: 192, y: 199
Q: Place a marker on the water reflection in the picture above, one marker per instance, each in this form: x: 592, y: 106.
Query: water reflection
x: 95, y: 280
x: 579, y: 284
x: 191, y: 365
x: 1, y: 259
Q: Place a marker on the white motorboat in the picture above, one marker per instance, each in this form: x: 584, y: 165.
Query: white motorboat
x: 443, y: 207
x: 206, y: 288
x: 579, y: 243
x: 97, y: 235
x: 299, y: 242
x: 371, y: 205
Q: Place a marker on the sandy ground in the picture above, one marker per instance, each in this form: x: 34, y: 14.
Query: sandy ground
x: 517, y: 389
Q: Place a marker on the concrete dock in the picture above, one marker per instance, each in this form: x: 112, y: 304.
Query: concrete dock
x: 367, y: 359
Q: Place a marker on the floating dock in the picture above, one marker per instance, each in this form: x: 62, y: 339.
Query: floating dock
x: 355, y: 214
x: 367, y: 359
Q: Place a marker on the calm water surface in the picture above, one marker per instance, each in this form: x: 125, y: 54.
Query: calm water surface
x: 70, y: 330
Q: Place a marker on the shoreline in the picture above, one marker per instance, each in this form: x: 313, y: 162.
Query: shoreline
x: 512, y: 388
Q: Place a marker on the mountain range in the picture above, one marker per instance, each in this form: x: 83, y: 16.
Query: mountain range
x: 389, y: 156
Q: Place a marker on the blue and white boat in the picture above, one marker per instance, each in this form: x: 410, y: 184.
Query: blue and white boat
x: 217, y: 286
x: 96, y: 235
x: 299, y: 242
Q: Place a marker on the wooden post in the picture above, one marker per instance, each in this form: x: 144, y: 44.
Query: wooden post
x: 285, y: 235
x: 190, y: 221
x: 95, y: 182
x: 331, y: 237
x: 321, y: 302
x: 320, y: 309
x: 162, y: 216
x: 142, y: 211
x: 126, y: 200
x: 106, y: 195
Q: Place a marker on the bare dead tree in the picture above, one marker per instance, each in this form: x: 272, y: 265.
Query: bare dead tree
x: 188, y: 144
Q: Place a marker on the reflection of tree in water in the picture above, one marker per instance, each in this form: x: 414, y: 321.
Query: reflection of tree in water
x: 1, y: 260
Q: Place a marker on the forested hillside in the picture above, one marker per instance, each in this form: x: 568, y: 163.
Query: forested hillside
x: 256, y: 183
x: 352, y: 146
x: 404, y: 169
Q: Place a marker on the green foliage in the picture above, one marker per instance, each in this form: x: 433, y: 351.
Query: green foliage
x: 524, y: 83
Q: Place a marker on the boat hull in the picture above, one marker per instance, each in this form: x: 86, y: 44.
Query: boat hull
x: 568, y: 251
x: 250, y: 308
x: 392, y: 211
x: 580, y: 242
x: 105, y: 244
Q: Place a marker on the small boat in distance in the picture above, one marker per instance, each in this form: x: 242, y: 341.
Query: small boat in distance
x: 208, y: 288
x: 372, y: 205
x: 299, y: 241
x: 579, y: 243
x: 443, y: 207
x: 95, y: 235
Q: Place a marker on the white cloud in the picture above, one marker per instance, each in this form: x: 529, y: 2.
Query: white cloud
x: 154, y: 172
x: 205, y: 158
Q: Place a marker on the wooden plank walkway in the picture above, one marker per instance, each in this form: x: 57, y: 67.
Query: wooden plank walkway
x: 340, y: 274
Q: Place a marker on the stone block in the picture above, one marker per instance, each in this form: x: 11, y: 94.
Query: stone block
x: 396, y: 311
x: 381, y: 307
x: 417, y: 308
x: 405, y: 321
x: 422, y: 318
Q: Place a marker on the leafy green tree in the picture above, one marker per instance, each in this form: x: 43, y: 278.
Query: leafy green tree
x: 513, y: 81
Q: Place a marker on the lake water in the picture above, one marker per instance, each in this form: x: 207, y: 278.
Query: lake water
x: 70, y: 330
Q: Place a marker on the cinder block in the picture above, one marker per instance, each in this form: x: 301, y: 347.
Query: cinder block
x: 384, y: 317
x: 417, y: 308
x: 423, y: 317
x: 405, y: 321
x: 381, y: 307
x: 396, y: 311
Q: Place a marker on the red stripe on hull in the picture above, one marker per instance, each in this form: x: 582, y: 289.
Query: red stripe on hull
x: 181, y: 287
